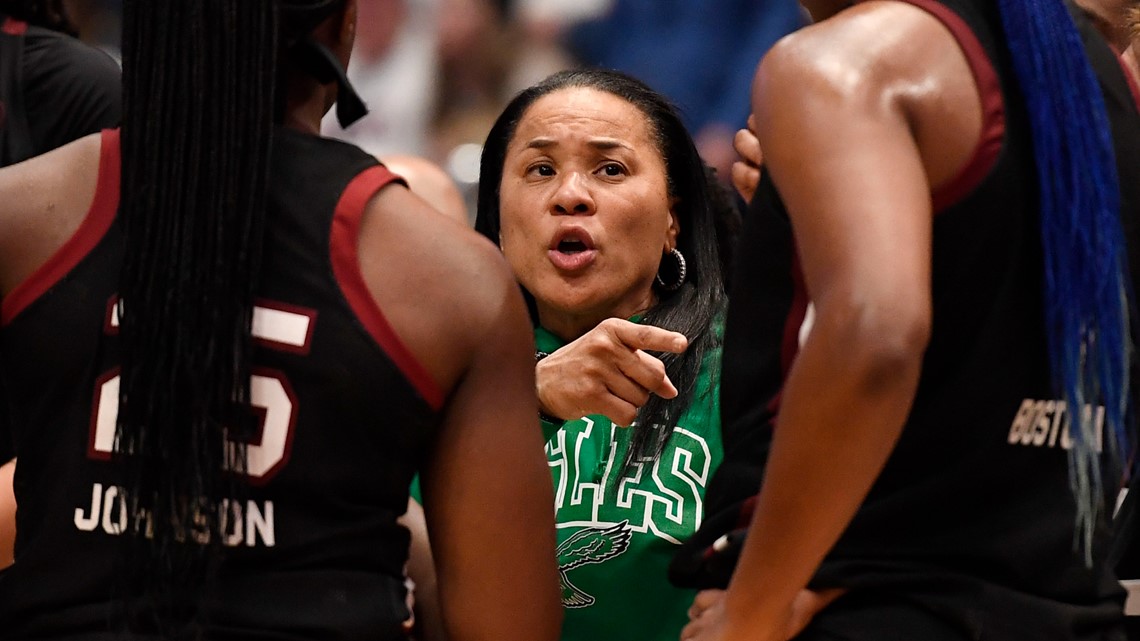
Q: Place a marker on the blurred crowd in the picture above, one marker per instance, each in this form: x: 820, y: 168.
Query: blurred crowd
x: 435, y: 73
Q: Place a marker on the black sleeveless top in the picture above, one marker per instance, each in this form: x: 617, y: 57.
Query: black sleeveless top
x: 53, y: 89
x: 972, y: 517
x: 15, y: 135
x: 312, y: 548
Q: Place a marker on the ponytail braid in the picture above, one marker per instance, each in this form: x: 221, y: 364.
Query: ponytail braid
x: 198, y: 84
x: 1086, y: 288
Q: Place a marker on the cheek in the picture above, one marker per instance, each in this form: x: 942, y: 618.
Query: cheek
x: 647, y: 231
x: 517, y: 240
x: 511, y: 241
x: 648, y: 238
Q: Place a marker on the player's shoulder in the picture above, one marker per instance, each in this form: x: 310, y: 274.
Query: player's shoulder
x: 44, y: 197
x: 445, y: 290
x: 58, y: 57
x: 865, y: 49
x: 439, y: 253
x: 44, y: 181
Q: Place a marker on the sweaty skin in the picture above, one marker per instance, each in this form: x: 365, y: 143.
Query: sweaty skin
x: 881, y: 85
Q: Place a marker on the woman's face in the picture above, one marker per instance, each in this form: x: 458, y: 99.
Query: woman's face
x: 585, y: 210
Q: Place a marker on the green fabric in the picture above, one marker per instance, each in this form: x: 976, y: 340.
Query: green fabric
x: 414, y: 490
x: 616, y: 536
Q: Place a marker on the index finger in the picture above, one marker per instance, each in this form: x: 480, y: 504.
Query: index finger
x: 648, y: 337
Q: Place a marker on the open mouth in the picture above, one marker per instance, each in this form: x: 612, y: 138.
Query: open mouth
x: 572, y: 250
x: 572, y: 240
x: 571, y: 246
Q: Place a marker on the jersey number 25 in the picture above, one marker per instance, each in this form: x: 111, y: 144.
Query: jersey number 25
x: 270, y: 393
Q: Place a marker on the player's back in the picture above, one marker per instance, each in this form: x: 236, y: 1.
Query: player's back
x: 311, y: 545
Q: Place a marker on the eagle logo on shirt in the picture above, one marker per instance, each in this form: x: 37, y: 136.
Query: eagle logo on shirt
x: 589, y: 546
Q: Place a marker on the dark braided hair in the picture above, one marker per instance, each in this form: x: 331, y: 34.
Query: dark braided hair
x: 49, y: 14
x: 1086, y: 286
x: 199, y: 80
x: 693, y: 308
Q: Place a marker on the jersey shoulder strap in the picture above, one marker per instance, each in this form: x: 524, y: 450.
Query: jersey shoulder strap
x: 15, y: 134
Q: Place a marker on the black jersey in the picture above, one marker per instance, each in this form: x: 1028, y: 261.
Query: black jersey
x: 972, y: 518
x: 53, y: 89
x: 312, y: 548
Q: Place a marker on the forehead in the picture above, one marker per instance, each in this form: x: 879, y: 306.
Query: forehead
x: 582, y: 113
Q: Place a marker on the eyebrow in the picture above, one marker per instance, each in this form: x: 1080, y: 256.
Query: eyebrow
x: 597, y: 143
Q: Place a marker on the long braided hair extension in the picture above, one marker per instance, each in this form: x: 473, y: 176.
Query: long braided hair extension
x: 199, y: 100
x: 1086, y: 288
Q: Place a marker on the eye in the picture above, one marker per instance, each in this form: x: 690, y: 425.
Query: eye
x: 541, y: 169
x: 612, y: 169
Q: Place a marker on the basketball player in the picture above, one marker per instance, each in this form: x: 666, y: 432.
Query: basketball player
x: 953, y: 287
x: 227, y: 346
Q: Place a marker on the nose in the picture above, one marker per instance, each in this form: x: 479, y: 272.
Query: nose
x: 573, y: 196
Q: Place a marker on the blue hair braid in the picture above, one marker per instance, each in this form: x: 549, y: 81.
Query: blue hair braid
x: 1086, y: 288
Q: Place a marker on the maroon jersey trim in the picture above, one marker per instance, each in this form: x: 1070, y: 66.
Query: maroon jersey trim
x: 262, y: 415
x: 14, y: 27
x: 346, y: 267
x: 1128, y: 77
x: 793, y: 325
x: 993, y: 109
x: 82, y: 242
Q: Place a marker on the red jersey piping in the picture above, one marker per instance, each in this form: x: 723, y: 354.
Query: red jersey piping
x: 793, y: 323
x: 14, y: 27
x: 94, y: 226
x: 993, y: 109
x: 1128, y: 78
x: 346, y: 268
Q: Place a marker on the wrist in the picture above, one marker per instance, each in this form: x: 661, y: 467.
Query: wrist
x: 761, y: 618
x: 544, y: 413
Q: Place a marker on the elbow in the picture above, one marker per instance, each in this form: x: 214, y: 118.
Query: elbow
x: 899, y: 347
x: 881, y: 345
x: 894, y: 344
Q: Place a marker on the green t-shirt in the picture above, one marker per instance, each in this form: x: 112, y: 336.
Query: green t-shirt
x: 617, y: 532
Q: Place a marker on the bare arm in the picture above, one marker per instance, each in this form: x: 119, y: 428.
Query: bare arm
x: 7, y: 514
x: 867, y: 267
x: 487, y: 492
x: 45, y: 200
x: 488, y: 495
x: 838, y: 133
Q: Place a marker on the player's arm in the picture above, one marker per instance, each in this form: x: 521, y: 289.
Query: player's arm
x: 7, y: 514
x: 836, y: 119
x: 448, y: 294
x: 487, y: 489
x: 45, y: 200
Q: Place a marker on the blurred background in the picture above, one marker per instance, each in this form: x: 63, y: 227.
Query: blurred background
x: 436, y: 73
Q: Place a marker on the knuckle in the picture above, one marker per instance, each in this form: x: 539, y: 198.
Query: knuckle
x: 610, y: 324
